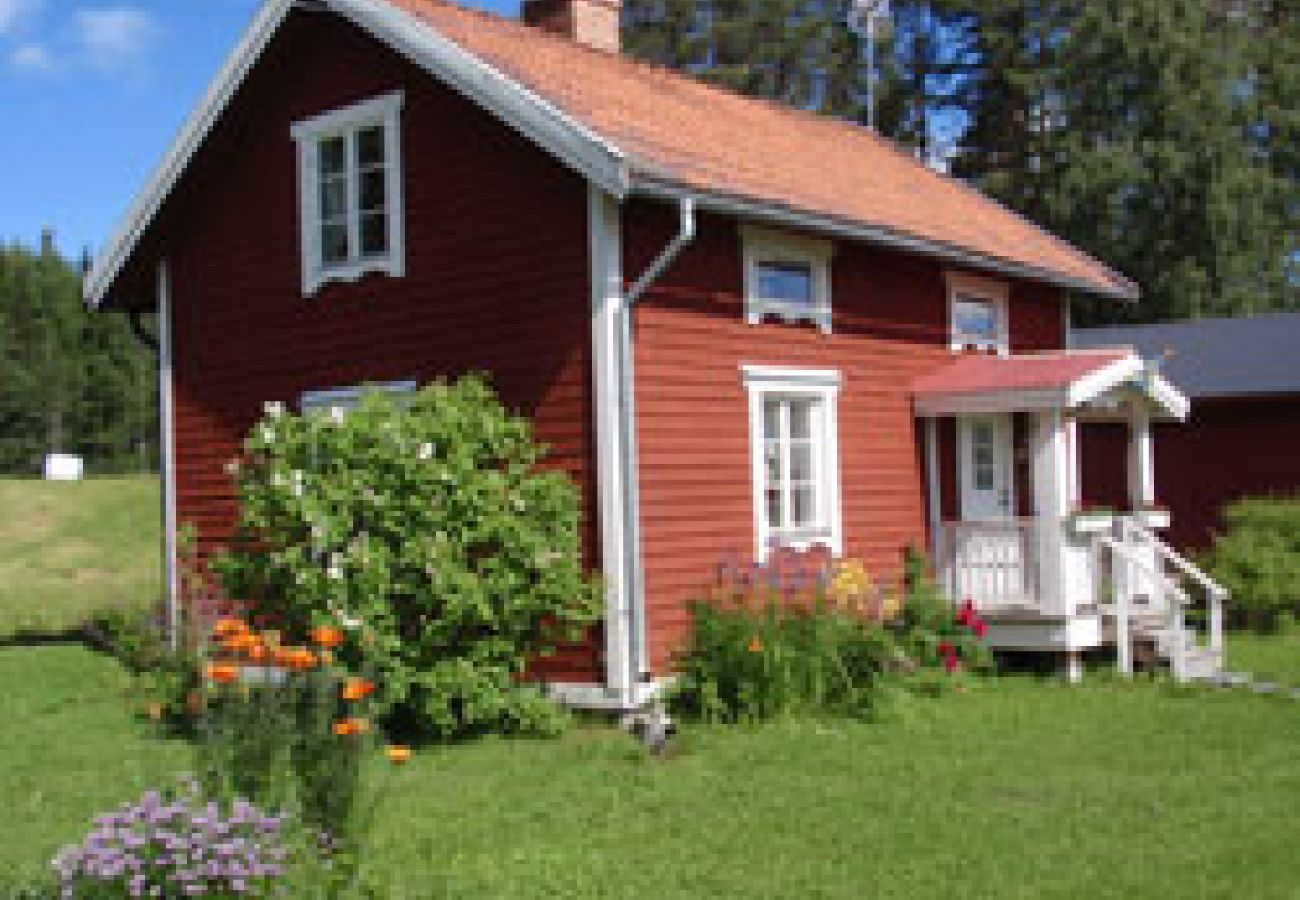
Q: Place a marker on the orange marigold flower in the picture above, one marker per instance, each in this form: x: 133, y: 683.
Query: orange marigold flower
x: 357, y: 689
x: 223, y: 673
x: 756, y: 644
x: 397, y: 755
x: 347, y: 727
x: 229, y: 626
x: 326, y: 636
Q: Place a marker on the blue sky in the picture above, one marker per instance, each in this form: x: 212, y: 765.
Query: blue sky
x: 91, y: 94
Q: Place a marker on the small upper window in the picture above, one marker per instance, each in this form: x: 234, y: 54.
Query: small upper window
x: 350, y: 189
x: 977, y: 310
x: 788, y: 277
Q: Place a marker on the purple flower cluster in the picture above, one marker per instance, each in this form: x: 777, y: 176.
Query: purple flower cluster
x: 177, y: 845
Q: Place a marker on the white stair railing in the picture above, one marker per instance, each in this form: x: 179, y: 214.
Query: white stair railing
x: 1141, y: 558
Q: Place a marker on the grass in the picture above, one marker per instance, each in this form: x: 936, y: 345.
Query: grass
x: 70, y: 548
x: 1267, y: 657
x: 1017, y: 789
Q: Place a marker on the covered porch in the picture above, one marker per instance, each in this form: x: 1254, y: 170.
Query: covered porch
x: 1009, y: 529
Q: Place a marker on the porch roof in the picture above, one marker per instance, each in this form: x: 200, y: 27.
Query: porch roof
x: 1064, y: 380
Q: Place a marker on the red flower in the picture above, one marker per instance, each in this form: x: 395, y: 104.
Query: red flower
x: 947, y: 649
x: 966, y: 616
x: 950, y: 663
x: 980, y: 628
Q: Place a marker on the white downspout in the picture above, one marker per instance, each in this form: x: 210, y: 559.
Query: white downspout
x: 634, y: 577
x: 167, y: 456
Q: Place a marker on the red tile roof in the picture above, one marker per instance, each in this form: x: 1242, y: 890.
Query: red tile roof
x: 675, y: 129
x: 983, y: 374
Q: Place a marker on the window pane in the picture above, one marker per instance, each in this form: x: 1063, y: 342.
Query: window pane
x: 975, y: 319
x: 801, y: 462
x: 333, y: 197
x: 374, y: 187
x: 787, y: 282
x: 334, y: 241
x: 774, y: 516
x: 804, y: 500
x: 333, y: 156
x: 370, y: 146
x: 801, y: 415
x: 772, y: 462
x: 984, y: 480
x: 771, y: 418
x: 374, y: 234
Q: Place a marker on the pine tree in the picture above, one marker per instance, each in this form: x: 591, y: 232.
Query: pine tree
x: 797, y: 52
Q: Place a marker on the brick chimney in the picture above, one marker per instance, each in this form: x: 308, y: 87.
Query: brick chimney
x: 591, y: 22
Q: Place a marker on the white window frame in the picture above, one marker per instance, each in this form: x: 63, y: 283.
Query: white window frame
x: 340, y: 400
x: 763, y: 245
x: 987, y: 290
x: 386, y: 111
x: 823, y: 385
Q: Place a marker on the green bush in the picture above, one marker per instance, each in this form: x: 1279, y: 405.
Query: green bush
x: 423, y: 527
x: 784, y: 640
x: 1257, y: 559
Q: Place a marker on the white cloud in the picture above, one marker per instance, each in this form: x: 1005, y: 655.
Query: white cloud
x: 32, y: 58
x: 115, y: 38
x: 12, y: 11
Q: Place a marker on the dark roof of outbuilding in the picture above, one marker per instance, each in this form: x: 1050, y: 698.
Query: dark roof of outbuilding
x: 1253, y: 356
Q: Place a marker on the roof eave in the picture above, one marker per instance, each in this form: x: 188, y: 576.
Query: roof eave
x: 656, y: 185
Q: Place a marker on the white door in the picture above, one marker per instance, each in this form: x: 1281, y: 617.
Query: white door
x: 984, y: 445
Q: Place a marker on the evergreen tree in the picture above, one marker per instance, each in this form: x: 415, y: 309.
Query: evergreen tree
x: 70, y: 381
x: 797, y: 52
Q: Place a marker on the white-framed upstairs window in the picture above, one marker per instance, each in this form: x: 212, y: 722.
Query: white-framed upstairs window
x: 787, y: 276
x: 978, y: 314
x: 350, y: 192
x: 338, y: 401
x: 794, y: 441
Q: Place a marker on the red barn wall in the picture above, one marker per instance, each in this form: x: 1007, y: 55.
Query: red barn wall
x: 890, y: 325
x: 497, y: 272
x: 1230, y: 448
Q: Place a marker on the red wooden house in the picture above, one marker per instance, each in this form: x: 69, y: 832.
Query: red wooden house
x: 739, y: 326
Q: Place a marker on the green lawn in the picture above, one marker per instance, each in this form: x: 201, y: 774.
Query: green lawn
x: 1267, y: 657
x: 1017, y: 789
x: 69, y: 548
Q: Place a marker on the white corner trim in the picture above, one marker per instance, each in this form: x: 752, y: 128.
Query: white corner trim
x: 167, y: 462
x: 606, y: 266
x: 769, y: 245
x: 537, y: 119
x: 385, y: 111
x: 824, y: 385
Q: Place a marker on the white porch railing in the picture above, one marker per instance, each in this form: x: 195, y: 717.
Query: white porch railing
x: 992, y: 564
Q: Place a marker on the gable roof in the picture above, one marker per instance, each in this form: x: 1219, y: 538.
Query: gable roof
x: 1053, y: 380
x: 1252, y: 356
x: 634, y: 128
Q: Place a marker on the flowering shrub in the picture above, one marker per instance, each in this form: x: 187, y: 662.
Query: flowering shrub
x: 806, y: 634
x: 177, y: 845
x: 421, y: 528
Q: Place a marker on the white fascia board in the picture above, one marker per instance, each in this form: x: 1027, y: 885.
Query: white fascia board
x: 657, y: 186
x: 539, y: 120
x: 555, y: 131
x: 247, y: 52
x: 1131, y: 371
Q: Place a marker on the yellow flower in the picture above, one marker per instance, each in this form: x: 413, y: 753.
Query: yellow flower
x: 397, y: 755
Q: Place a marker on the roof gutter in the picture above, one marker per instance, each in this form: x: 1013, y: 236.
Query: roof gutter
x: 634, y: 575
x: 654, y: 186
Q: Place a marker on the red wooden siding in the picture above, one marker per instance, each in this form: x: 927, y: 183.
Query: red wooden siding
x: 1230, y: 448
x: 890, y: 325
x: 497, y: 272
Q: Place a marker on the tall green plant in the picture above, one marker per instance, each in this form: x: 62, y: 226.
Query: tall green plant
x: 425, y: 527
x: 1257, y: 558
